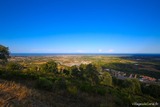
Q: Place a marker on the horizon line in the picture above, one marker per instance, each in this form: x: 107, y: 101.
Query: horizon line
x: 74, y: 53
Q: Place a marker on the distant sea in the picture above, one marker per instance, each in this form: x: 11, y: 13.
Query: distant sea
x: 83, y: 54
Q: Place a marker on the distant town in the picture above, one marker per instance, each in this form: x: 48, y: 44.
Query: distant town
x: 141, y: 78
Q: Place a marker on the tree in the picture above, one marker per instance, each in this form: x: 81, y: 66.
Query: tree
x: 50, y: 66
x: 4, y: 53
x: 132, y: 86
x: 66, y: 71
x: 137, y: 86
x: 92, y: 74
x: 106, y: 79
x: 152, y: 90
x: 75, y: 71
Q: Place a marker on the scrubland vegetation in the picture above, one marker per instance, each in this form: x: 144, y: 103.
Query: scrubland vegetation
x: 52, y: 84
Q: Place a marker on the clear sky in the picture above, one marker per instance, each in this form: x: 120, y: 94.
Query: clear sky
x: 80, y: 26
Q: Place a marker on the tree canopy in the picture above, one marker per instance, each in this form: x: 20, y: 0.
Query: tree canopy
x: 4, y: 53
x: 50, y: 66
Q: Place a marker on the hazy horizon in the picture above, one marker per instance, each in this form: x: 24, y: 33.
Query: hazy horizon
x: 85, y: 53
x: 82, y: 26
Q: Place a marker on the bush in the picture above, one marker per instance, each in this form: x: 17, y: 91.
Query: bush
x: 86, y: 88
x: 67, y: 72
x: 152, y: 90
x: 127, y: 83
x: 72, y: 90
x: 75, y: 71
x: 91, y: 74
x: 13, y: 66
x: 50, y: 66
x: 100, y: 90
x: 43, y: 83
x: 137, y: 86
x: 60, y: 83
x: 131, y: 86
x: 106, y: 79
x: 11, y: 75
x: 31, y: 75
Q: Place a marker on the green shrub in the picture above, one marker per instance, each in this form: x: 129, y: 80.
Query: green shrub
x: 86, y: 88
x: 72, y: 90
x: 127, y: 83
x: 60, y: 83
x: 43, y: 83
x: 137, y: 86
x: 50, y: 66
x: 105, y: 79
x: 92, y: 89
x: 100, y: 90
x: 31, y: 75
x: 76, y: 72
x: 117, y: 82
x: 11, y: 75
x: 1, y: 71
x: 92, y: 74
x: 152, y: 90
x: 67, y: 72
x: 13, y: 66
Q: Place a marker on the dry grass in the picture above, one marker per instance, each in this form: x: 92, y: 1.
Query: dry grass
x: 16, y: 95
x: 11, y: 93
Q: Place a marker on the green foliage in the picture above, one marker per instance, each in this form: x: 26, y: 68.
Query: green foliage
x: 117, y: 82
x: 105, y: 79
x: 18, y: 75
x: 91, y: 74
x: 66, y: 71
x: 34, y: 68
x: 13, y: 66
x: 75, y: 71
x: 2, y: 68
x: 10, y: 75
x: 43, y: 83
x: 88, y: 80
x: 31, y: 75
x: 50, y: 66
x: 131, y: 86
x: 4, y: 53
x: 88, y: 88
x: 128, y: 85
x: 152, y: 90
x: 72, y: 89
x: 85, y: 87
x: 100, y: 90
x: 136, y: 86
x: 82, y: 67
x: 60, y: 83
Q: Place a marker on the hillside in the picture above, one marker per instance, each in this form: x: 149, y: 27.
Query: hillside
x: 53, y: 83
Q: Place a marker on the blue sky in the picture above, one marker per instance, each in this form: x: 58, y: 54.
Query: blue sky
x: 80, y: 26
